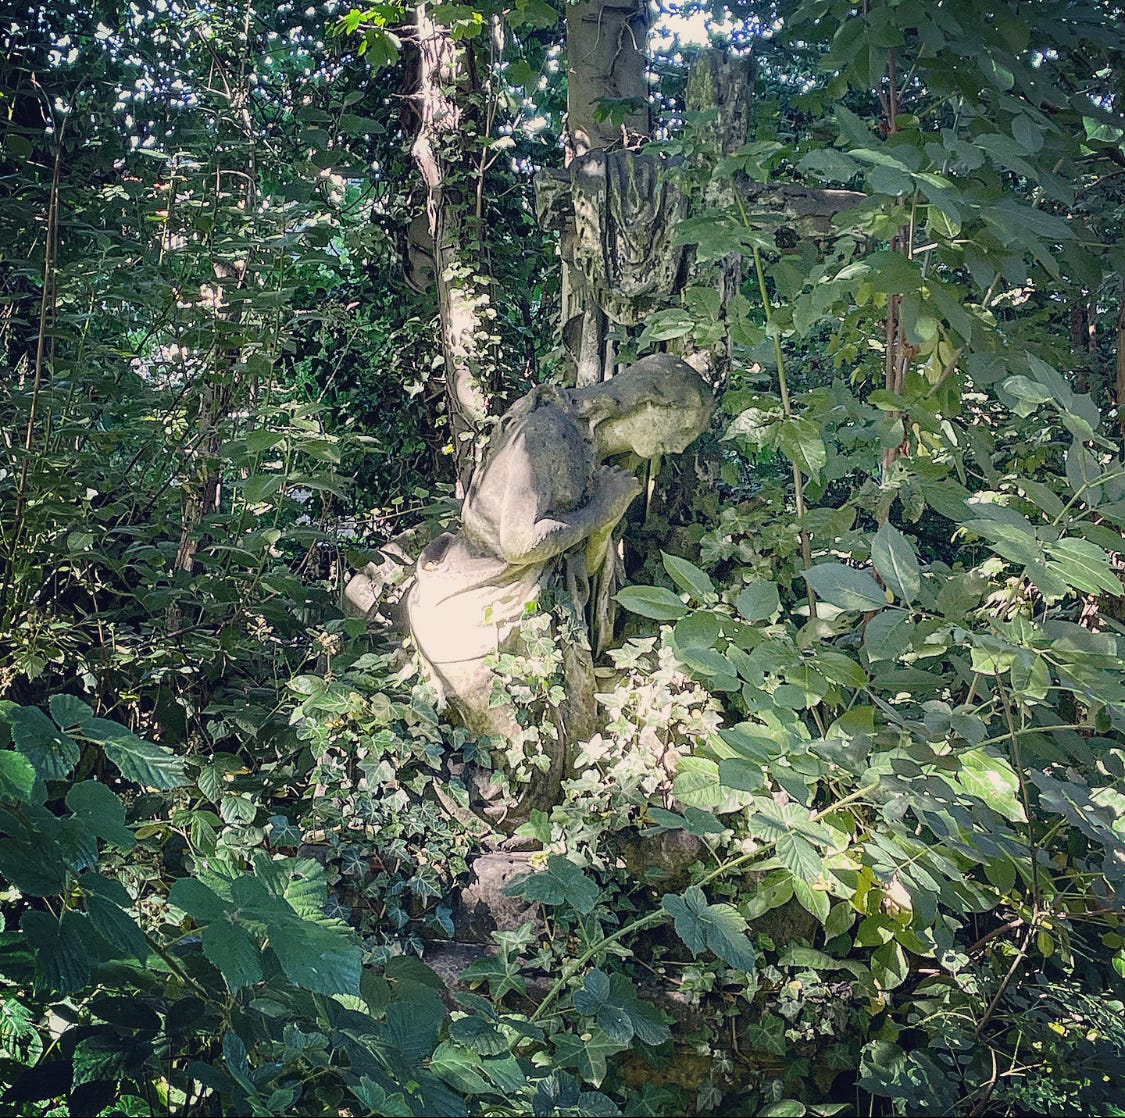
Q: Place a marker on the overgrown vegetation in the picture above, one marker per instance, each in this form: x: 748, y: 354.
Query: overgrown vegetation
x: 852, y: 838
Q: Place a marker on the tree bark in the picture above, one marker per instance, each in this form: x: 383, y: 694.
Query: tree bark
x: 1120, y: 363
x: 441, y: 152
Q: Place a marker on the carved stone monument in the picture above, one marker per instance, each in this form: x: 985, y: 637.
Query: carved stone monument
x: 540, y: 513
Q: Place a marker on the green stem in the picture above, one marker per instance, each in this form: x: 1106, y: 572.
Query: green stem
x: 786, y: 406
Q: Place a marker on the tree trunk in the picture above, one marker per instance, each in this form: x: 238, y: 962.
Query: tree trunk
x: 605, y: 44
x: 441, y: 151
x: 1120, y: 363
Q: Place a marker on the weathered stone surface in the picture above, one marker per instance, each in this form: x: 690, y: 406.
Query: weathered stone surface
x: 484, y: 907
x: 541, y: 513
x: 375, y: 592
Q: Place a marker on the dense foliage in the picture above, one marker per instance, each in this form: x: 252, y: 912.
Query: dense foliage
x: 852, y: 838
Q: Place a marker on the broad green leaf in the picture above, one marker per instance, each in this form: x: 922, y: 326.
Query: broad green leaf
x: 815, y: 902
x: 322, y: 960
x: 17, y: 776
x: 716, y: 927
x: 37, y: 869
x: 700, y: 629
x: 894, y: 559
x: 889, y: 966
x: 759, y: 601
x: 846, y: 587
x: 478, y: 1035
x: 70, y: 712
x: 562, y: 882
x: 799, y: 856
x: 687, y: 576
x: 143, y: 762
x: 992, y: 779
x: 1008, y: 540
x: 117, y: 928
x: 101, y: 811
x: 413, y: 1025
x: 801, y: 442
x: 1085, y: 566
x: 199, y: 901
x: 697, y: 785
x: 61, y: 958
x: 52, y: 752
x: 109, y: 1057
x: 742, y: 775
x: 233, y: 951
x: 656, y: 602
x: 784, y: 1108
x: 459, y: 1067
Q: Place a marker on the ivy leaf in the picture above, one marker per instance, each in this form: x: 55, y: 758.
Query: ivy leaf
x: 142, y: 762
x: 845, y: 587
x: 718, y: 927
x: 894, y: 559
x: 656, y: 602
x: 52, y: 752
x: 561, y: 882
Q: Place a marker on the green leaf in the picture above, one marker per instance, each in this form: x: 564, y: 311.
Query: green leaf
x: 478, y: 1035
x: 233, y: 951
x: 697, y: 785
x: 143, y: 762
x: 656, y: 602
x: 1084, y: 566
x: 801, y: 442
x: 759, y: 601
x: 784, y: 1108
x: 323, y: 960
x: 109, y: 1057
x: 742, y: 775
x: 687, y: 576
x: 60, y: 951
x: 718, y: 927
x: 70, y: 712
x: 561, y: 882
x: 17, y: 776
x: 37, y: 869
x: 889, y: 965
x: 199, y: 901
x: 413, y: 1025
x: 52, y: 753
x: 993, y: 780
x: 616, y: 1009
x: 799, y: 856
x: 101, y: 811
x: 117, y: 928
x: 894, y: 559
x: 845, y: 587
